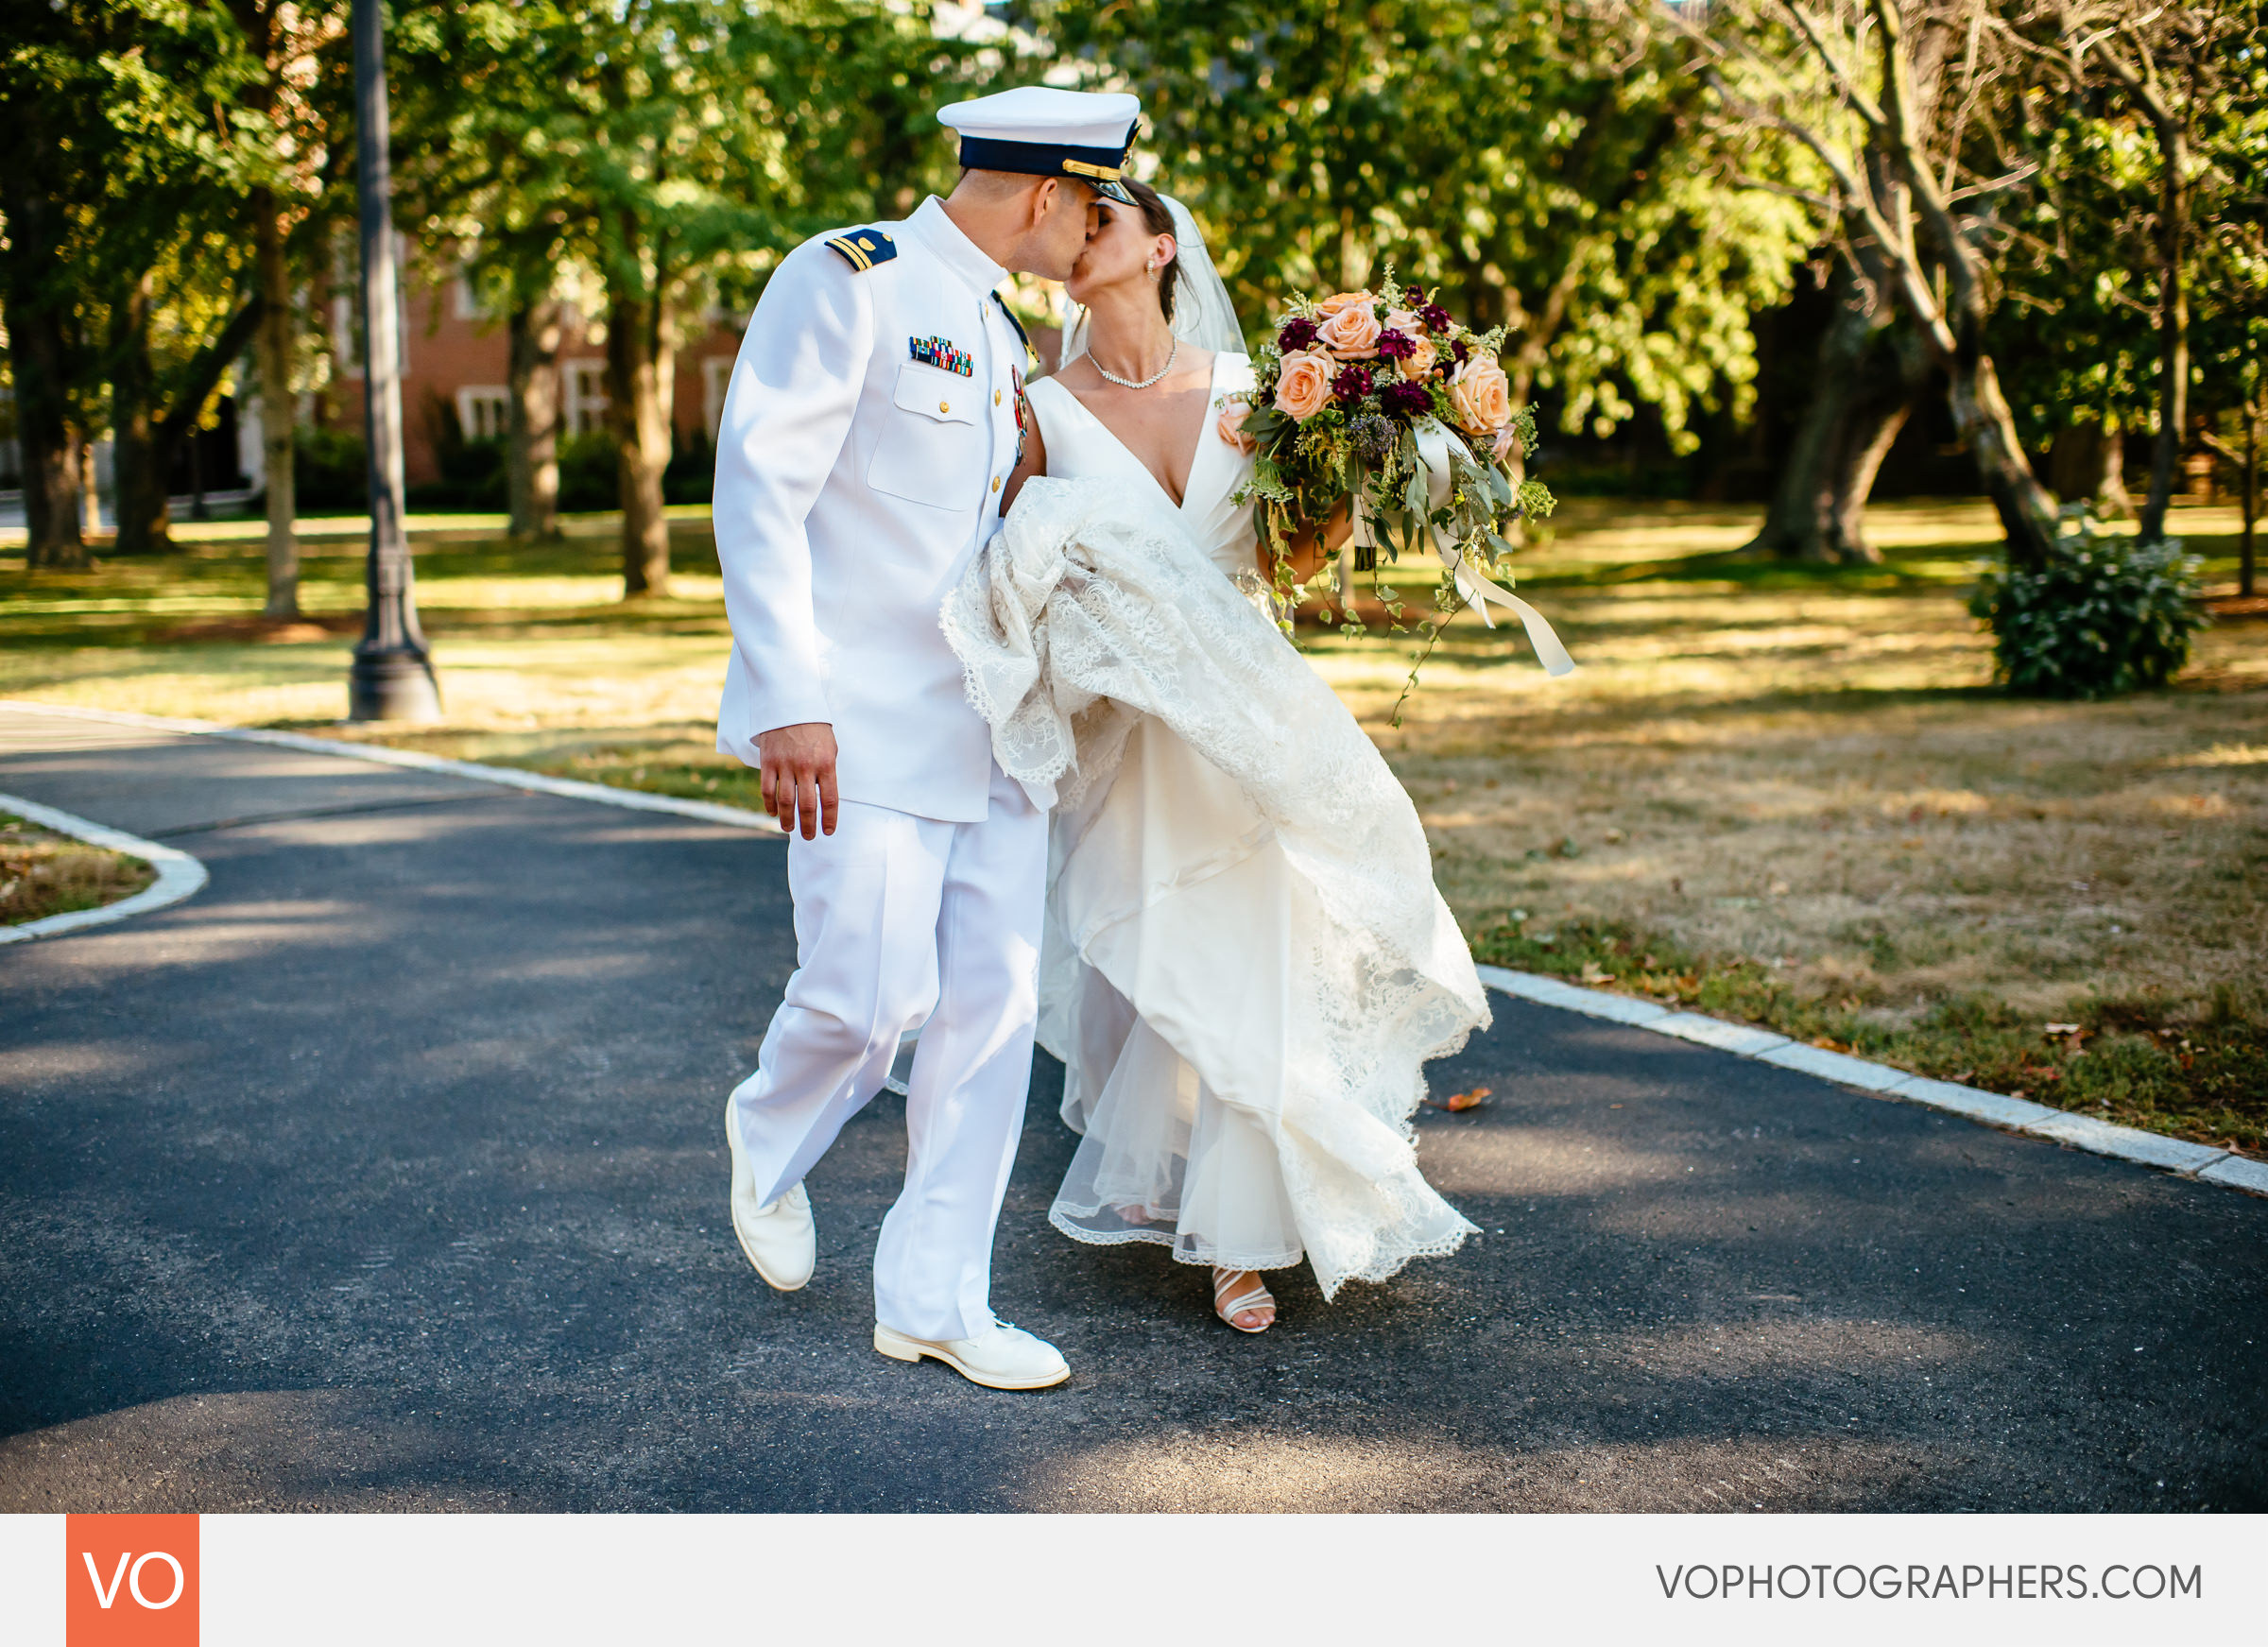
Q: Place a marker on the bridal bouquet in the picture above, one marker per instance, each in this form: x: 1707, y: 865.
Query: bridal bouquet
x: 1384, y: 401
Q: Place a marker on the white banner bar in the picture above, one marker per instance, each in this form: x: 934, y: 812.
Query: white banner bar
x: 1248, y: 1581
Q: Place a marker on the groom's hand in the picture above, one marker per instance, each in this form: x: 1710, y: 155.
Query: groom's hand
x: 796, y: 767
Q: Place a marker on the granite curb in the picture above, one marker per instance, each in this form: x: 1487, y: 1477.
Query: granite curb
x: 179, y: 874
x: 2102, y: 1137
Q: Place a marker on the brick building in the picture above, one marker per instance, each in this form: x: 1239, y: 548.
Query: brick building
x: 455, y: 359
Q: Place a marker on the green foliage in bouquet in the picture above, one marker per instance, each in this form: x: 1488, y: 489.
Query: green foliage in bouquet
x: 2106, y: 615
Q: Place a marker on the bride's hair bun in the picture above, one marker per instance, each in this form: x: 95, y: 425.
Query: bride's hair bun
x: 1158, y: 220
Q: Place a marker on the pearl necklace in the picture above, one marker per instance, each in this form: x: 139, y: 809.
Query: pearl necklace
x: 1128, y: 383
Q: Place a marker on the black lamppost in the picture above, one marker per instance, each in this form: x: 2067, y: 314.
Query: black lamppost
x: 392, y: 677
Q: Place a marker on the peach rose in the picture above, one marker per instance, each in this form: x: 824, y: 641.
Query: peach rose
x: 1419, y: 363
x: 1351, y: 334
x: 1304, y: 388
x: 1481, y: 395
x: 1333, y: 304
x: 1231, y: 426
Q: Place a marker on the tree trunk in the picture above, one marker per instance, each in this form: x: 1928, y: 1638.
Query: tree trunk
x: 2173, y: 330
x: 1864, y: 394
x: 1988, y: 428
x: 639, y: 381
x: 197, y: 511
x: 532, y: 445
x: 90, y: 492
x: 138, y: 467
x: 2113, y: 502
x: 2086, y: 464
x: 279, y: 408
x: 2252, y: 499
x: 52, y: 478
x: 1851, y: 423
x: 42, y: 357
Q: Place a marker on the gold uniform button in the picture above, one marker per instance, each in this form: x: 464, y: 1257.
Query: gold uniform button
x: 996, y: 396
x: 944, y: 405
x: 996, y: 483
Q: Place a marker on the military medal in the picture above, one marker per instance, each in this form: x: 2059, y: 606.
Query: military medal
x: 1023, y: 427
x: 940, y: 352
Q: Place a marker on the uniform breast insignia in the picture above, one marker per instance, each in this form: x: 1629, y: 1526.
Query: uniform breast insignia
x: 941, y: 353
x: 861, y: 249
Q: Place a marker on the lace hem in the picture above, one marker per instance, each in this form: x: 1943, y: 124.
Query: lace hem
x: 1166, y: 1238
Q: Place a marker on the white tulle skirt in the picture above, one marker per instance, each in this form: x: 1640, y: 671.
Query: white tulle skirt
x: 1246, y: 966
x: 1193, y: 875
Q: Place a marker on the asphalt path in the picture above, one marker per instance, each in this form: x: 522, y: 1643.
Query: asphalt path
x: 386, y: 1173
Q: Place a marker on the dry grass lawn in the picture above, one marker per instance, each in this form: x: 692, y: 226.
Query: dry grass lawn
x: 42, y: 873
x: 1782, y: 794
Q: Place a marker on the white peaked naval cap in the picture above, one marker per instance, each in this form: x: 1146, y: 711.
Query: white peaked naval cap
x: 1049, y: 132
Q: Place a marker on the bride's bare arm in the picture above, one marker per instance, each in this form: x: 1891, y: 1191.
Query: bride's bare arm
x: 1034, y: 461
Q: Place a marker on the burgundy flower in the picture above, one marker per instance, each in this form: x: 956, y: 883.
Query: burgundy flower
x: 1296, y: 333
x: 1436, y: 318
x: 1406, y: 400
x: 1352, y: 383
x: 1396, y: 344
x: 1458, y: 351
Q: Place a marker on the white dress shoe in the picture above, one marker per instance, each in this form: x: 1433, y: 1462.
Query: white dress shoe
x: 778, y: 1237
x: 1006, y: 1358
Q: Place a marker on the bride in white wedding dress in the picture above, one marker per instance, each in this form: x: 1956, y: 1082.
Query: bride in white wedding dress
x: 1246, y: 964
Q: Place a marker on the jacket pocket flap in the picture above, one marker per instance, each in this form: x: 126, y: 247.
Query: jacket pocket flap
x: 945, y: 397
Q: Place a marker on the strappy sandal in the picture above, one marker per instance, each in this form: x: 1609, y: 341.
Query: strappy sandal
x: 1258, y: 1299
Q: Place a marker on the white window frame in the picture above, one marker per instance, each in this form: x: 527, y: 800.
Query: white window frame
x: 465, y: 303
x: 717, y: 377
x: 585, y: 387
x: 484, y: 411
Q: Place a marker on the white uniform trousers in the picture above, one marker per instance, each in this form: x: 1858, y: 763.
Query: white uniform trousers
x: 902, y: 920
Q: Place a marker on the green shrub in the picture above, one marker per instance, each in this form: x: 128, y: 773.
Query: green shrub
x: 589, y: 474
x: 330, y: 471
x: 472, y: 470
x: 691, y: 472
x: 2105, y: 615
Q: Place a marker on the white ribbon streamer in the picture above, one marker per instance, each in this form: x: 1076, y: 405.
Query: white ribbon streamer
x: 1433, y: 451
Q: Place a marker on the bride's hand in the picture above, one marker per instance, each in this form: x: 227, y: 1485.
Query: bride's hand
x: 1312, y: 549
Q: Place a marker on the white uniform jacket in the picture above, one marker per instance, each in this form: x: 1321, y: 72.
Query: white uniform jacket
x: 872, y: 419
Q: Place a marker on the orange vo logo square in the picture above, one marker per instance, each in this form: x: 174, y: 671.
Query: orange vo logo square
x: 129, y: 1581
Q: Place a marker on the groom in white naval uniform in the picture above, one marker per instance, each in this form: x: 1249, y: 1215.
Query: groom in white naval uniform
x: 874, y: 414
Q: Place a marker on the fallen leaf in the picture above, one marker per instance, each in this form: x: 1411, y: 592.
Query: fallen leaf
x: 1461, y: 1101
x: 1595, y: 975
x: 2060, y: 1028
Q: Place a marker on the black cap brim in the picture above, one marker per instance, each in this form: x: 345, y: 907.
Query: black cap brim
x: 1098, y: 168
